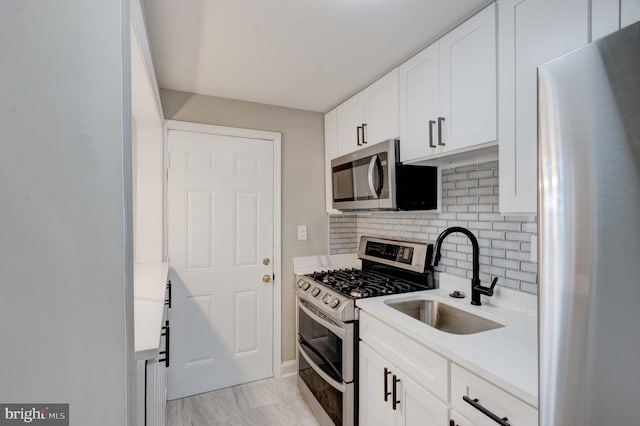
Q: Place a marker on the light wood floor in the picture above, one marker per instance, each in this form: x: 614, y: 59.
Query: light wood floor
x: 270, y: 402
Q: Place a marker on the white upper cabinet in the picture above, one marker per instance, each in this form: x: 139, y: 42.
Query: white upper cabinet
x: 530, y: 33
x: 419, y: 103
x: 605, y: 17
x: 468, y: 82
x: 350, y: 116
x: 381, y: 109
x: 369, y: 117
x: 608, y: 16
x: 629, y: 12
x: 448, y: 91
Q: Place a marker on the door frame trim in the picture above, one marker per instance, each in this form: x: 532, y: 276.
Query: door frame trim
x: 276, y: 139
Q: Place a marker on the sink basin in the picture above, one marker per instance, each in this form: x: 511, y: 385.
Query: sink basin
x: 444, y: 317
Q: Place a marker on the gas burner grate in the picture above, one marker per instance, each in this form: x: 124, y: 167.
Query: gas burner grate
x: 357, y: 284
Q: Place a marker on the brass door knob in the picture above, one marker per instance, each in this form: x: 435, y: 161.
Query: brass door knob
x: 266, y: 261
x: 266, y: 278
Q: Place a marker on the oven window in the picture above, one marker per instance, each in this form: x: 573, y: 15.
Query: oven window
x: 329, y: 398
x: 321, y: 345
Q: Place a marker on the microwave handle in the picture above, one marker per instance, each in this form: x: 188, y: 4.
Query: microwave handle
x: 373, y: 167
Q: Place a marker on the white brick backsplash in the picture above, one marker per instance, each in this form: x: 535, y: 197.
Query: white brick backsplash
x: 469, y: 200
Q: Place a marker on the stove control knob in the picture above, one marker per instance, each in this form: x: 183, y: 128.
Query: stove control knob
x: 334, y: 303
x: 326, y: 299
x: 300, y: 282
x: 315, y: 291
x: 305, y: 286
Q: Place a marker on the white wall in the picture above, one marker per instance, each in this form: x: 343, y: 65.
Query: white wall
x: 65, y: 240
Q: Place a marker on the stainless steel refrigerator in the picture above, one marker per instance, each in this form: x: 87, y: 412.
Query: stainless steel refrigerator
x: 589, y: 234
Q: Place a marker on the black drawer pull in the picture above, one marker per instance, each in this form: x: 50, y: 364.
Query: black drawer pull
x: 475, y: 403
x: 168, y: 301
x: 431, y: 123
x: 167, y: 335
x: 386, y: 384
x: 440, y: 120
x: 395, y: 401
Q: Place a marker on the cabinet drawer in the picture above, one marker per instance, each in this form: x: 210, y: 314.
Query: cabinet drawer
x: 427, y: 368
x: 490, y: 397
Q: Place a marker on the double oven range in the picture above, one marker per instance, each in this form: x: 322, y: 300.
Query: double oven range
x: 328, y: 320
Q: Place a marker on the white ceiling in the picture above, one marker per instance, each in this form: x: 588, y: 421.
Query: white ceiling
x: 305, y: 54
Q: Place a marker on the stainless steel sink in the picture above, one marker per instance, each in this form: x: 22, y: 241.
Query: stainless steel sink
x: 444, y: 317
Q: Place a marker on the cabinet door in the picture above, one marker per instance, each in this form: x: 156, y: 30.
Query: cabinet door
x: 419, y: 103
x: 350, y: 117
x: 373, y: 409
x: 330, y: 152
x: 530, y: 33
x: 382, y: 109
x: 605, y: 17
x: 629, y: 12
x: 468, y: 83
x: 418, y: 407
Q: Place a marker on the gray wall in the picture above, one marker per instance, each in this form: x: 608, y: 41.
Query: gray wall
x: 65, y: 242
x: 469, y: 199
x: 302, y: 176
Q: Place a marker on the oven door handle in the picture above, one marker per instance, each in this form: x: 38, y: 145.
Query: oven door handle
x: 340, y: 332
x: 334, y: 383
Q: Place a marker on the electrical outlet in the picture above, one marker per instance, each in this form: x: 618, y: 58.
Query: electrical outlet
x: 302, y: 232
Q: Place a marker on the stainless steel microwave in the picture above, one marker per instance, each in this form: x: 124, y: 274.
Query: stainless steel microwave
x: 374, y: 179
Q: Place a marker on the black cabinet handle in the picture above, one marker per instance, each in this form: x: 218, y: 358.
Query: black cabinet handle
x: 364, y: 137
x: 431, y: 123
x: 395, y: 401
x: 452, y: 423
x: 167, y: 335
x: 358, y: 135
x: 440, y: 120
x: 475, y: 403
x: 386, y: 384
x: 168, y: 301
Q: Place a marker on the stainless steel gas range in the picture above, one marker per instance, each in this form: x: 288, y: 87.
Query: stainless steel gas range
x: 328, y: 320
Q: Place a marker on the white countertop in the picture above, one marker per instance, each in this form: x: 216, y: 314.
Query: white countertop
x: 506, y: 356
x: 149, y: 285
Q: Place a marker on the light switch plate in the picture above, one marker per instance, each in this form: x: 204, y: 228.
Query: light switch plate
x: 302, y: 232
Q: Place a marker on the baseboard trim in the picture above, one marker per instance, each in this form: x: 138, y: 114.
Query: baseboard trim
x: 289, y: 368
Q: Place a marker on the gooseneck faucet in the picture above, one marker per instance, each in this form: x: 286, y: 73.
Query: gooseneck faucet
x: 476, y: 288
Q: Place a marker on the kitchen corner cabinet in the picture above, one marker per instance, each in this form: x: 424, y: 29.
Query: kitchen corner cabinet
x: 530, y: 33
x: 389, y: 397
x: 330, y: 152
x: 369, y: 117
x: 448, y: 91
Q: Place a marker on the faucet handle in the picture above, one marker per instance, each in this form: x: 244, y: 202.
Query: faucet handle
x: 494, y: 282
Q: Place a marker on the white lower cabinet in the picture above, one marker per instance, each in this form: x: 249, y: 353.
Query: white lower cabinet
x: 388, y: 396
x: 404, y: 383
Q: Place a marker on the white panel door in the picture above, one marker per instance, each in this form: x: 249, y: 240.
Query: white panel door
x: 468, y: 93
x: 419, y: 103
x: 530, y: 33
x: 220, y: 226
